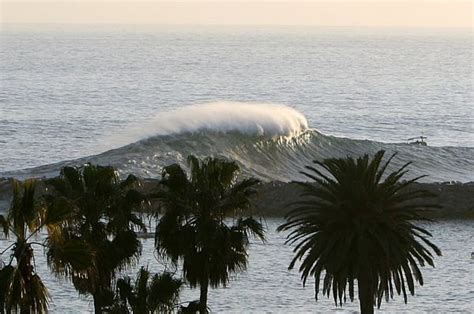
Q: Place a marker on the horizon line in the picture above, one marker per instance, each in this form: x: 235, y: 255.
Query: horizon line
x: 236, y: 25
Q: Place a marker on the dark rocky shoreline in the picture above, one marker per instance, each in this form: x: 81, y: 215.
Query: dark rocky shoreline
x: 273, y: 199
x: 456, y: 199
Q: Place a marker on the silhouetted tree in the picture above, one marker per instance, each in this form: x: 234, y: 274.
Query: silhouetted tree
x: 104, y: 217
x: 21, y: 288
x: 204, y: 223
x: 357, y: 223
x: 148, y: 294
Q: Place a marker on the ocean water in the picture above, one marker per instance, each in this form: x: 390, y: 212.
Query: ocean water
x: 75, y: 92
x: 268, y: 287
x: 274, y: 99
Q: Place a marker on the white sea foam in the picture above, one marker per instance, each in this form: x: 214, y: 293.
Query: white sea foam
x: 248, y: 118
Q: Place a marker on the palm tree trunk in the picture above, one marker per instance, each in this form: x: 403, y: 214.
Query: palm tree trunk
x: 366, y: 294
x: 203, y: 296
x: 97, y: 305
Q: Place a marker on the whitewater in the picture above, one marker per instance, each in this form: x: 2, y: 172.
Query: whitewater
x: 269, y: 141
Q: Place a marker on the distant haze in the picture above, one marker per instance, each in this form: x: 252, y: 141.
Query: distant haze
x: 401, y: 13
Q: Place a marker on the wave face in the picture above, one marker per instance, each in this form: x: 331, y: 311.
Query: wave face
x: 271, y: 142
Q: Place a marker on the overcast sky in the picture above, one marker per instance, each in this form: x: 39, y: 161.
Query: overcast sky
x: 403, y: 13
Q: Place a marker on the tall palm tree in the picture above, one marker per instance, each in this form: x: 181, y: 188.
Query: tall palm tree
x: 205, y: 223
x: 148, y: 294
x: 358, y: 223
x: 103, y: 216
x: 21, y: 288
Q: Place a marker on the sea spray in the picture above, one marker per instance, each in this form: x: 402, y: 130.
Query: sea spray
x: 247, y: 118
x: 271, y: 142
x: 261, y: 119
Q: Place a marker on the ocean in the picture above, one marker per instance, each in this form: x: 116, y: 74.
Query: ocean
x: 71, y: 93
x: 268, y: 287
x: 273, y: 99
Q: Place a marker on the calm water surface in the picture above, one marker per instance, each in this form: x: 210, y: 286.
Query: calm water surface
x: 268, y: 287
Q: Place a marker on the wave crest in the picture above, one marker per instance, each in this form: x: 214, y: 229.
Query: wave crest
x: 271, y: 142
x: 248, y: 118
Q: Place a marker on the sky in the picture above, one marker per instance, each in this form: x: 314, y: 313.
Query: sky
x: 385, y: 13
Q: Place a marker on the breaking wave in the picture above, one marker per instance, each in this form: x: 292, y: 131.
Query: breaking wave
x: 220, y: 117
x: 271, y: 142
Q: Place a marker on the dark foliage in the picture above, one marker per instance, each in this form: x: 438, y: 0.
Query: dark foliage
x: 103, y: 218
x: 358, y: 223
x: 205, y: 224
x: 148, y: 294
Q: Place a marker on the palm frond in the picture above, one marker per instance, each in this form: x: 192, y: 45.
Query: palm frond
x: 353, y: 225
x: 193, y: 228
x: 70, y: 256
x: 5, y: 225
x: 96, y: 237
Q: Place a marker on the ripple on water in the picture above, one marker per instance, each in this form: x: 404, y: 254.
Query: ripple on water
x: 268, y: 287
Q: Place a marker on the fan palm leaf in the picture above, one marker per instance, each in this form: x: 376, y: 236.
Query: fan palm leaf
x: 103, y: 219
x: 21, y: 289
x: 148, y: 294
x: 357, y: 223
x: 196, y: 226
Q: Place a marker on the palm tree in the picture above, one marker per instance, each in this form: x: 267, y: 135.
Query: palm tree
x: 21, y: 289
x: 204, y: 224
x: 157, y: 294
x: 104, y: 217
x: 357, y: 223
